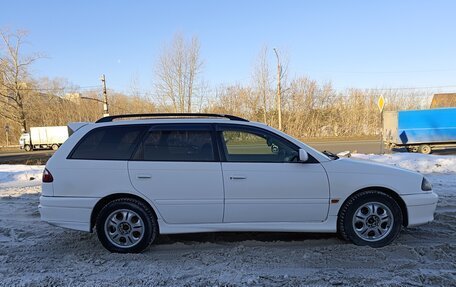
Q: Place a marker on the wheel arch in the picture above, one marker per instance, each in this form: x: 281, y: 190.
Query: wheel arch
x: 387, y: 191
x: 105, y: 200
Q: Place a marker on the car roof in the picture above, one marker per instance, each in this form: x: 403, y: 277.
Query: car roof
x: 176, y: 121
x: 170, y: 115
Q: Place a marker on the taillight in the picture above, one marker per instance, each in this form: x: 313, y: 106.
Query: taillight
x: 47, y: 176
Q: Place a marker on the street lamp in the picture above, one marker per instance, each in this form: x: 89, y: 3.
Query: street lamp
x: 105, y: 96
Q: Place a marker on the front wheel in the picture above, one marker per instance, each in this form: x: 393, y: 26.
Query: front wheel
x: 27, y: 147
x: 126, y: 226
x: 370, y: 218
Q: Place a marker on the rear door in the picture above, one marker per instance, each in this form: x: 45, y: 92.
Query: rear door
x: 264, y: 182
x: 178, y: 168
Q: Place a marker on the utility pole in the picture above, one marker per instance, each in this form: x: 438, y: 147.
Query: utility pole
x: 105, y: 97
x: 7, y: 134
x: 279, y: 92
x: 381, y: 105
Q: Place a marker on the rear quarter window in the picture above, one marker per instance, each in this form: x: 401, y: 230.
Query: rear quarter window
x: 108, y: 143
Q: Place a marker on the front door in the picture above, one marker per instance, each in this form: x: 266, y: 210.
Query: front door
x: 265, y: 182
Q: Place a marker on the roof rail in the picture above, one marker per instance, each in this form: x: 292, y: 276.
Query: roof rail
x: 111, y: 118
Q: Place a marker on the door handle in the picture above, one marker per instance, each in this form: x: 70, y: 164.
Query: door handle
x: 238, y: 177
x: 143, y: 176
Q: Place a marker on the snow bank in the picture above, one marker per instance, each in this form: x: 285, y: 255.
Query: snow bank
x: 19, y: 175
x: 422, y: 163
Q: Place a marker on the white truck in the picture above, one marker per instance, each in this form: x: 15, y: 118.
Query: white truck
x: 44, y: 138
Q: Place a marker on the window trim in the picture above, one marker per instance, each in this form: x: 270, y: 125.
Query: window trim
x: 179, y: 127
x: 141, y: 135
x: 255, y: 130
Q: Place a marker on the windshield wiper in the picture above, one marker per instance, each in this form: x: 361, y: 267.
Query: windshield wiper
x: 330, y: 154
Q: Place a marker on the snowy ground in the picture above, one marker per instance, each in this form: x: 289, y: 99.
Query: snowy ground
x: 33, y: 253
x: 20, y: 175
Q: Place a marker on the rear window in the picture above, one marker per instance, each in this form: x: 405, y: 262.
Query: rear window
x: 108, y: 143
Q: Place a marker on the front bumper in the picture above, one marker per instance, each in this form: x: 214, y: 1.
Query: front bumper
x: 68, y: 212
x: 420, y: 207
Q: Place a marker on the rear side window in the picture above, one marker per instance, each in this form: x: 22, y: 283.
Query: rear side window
x: 108, y: 143
x: 177, y: 145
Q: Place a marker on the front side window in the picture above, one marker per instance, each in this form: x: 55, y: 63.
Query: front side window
x: 108, y: 143
x: 178, y: 145
x: 249, y: 146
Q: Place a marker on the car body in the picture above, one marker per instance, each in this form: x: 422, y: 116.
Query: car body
x: 221, y: 174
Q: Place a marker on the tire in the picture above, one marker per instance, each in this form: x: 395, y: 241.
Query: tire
x: 370, y: 218
x: 126, y: 226
x: 27, y: 147
x: 55, y: 147
x: 413, y: 149
x: 425, y: 149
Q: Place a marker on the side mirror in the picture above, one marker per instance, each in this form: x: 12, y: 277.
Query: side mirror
x: 303, y: 155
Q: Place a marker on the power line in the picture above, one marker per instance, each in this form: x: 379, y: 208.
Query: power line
x: 154, y: 95
x: 103, y: 102
x: 61, y: 89
x: 385, y: 72
x: 410, y: 88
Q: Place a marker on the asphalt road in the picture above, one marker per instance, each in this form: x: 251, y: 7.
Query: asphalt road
x: 23, y: 157
x: 359, y: 146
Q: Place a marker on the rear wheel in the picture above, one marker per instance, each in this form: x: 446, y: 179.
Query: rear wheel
x: 126, y: 226
x: 55, y: 147
x: 425, y: 149
x: 370, y: 218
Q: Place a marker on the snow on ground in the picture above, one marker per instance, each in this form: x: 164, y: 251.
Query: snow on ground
x: 12, y: 175
x: 415, y: 161
x: 34, y: 253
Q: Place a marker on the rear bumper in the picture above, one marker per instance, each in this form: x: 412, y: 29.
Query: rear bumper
x: 68, y: 212
x: 420, y: 207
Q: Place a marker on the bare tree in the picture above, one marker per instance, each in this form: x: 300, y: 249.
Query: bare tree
x: 177, y: 72
x: 236, y: 100
x: 14, y: 76
x: 262, y: 81
x: 135, y: 85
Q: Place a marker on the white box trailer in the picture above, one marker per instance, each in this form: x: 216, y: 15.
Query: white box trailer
x: 44, y: 138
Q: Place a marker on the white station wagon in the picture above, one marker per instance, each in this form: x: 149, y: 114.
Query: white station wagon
x: 132, y: 180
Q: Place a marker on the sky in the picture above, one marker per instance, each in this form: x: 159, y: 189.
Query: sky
x: 363, y: 44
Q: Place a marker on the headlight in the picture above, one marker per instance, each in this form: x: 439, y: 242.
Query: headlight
x: 426, y: 185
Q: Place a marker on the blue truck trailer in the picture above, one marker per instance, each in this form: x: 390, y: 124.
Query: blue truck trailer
x: 420, y: 130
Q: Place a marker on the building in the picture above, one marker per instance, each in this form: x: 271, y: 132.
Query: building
x: 443, y: 100
x: 73, y: 97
